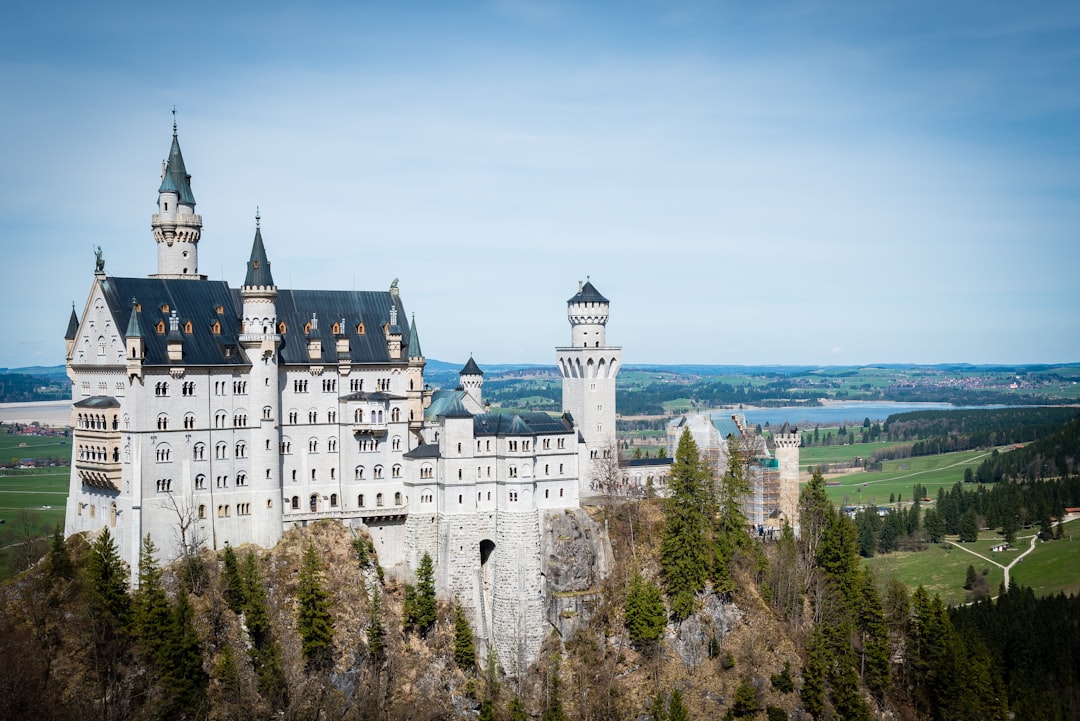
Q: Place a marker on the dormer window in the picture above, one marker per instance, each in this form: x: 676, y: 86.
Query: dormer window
x: 307, y: 328
x: 215, y: 327
x: 161, y: 327
x: 187, y: 327
x: 360, y: 328
x: 337, y: 329
x: 281, y: 327
x: 164, y: 307
x: 138, y: 307
x: 220, y: 310
x: 255, y: 265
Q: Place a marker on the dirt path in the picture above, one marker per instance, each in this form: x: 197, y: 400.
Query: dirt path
x: 990, y: 560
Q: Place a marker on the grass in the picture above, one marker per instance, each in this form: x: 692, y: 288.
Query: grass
x: 898, y: 477
x: 32, y: 504
x: 1052, y: 567
x: 941, y: 570
x: 816, y: 455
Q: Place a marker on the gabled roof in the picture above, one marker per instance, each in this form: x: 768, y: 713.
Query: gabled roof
x: 414, y: 341
x: 471, y: 369
x: 588, y: 294
x: 258, y: 267
x: 73, y: 325
x: 176, y: 178
x: 520, y: 424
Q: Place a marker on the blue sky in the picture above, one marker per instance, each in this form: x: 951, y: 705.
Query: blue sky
x: 754, y: 183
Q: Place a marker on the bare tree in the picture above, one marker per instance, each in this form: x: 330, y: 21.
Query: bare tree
x: 189, y: 537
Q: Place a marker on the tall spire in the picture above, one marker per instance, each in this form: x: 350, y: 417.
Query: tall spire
x: 414, y: 340
x: 258, y: 268
x: 134, y: 328
x: 73, y: 325
x: 176, y: 178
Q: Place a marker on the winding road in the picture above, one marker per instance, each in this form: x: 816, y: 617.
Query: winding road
x: 1016, y: 560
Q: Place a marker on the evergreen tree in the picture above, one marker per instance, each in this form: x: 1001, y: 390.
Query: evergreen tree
x: 683, y: 551
x: 420, y: 608
x: 464, y: 646
x: 107, y: 582
x: 60, y: 565
x: 815, y: 511
x: 812, y: 693
x: 969, y: 526
x: 744, y: 702
x: 658, y: 708
x: 782, y: 681
x: 729, y: 527
x: 553, y: 710
x: 232, y: 585
x: 315, y: 624
x: 229, y: 688
x: 646, y: 616
x: 676, y: 708
x: 265, y: 651
x: 376, y: 634
x: 183, y: 678
x: 971, y: 578
x: 152, y: 617
x: 873, y: 637
x: 516, y: 710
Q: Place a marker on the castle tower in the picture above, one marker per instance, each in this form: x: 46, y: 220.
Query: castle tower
x: 471, y: 379
x: 415, y: 383
x: 588, y: 368
x: 787, y: 441
x: 260, y: 340
x: 175, y: 225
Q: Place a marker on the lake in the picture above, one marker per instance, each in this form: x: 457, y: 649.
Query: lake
x: 846, y: 412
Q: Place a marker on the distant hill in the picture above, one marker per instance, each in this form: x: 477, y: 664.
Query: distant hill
x: 38, y: 383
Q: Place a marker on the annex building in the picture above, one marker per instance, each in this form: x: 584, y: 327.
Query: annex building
x: 207, y: 415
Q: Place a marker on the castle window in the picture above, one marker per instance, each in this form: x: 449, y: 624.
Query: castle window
x: 189, y: 421
x: 395, y: 472
x: 561, y: 443
x: 547, y: 443
x: 241, y: 479
x: 513, y: 496
x: 560, y: 469
x: 187, y: 327
x: 487, y: 445
x: 101, y: 346
x: 200, y: 482
x: 281, y: 327
x: 215, y: 327
x: 294, y: 475
x: 336, y: 329
x: 459, y: 499
x: 313, y: 474
x: 198, y: 452
x: 513, y: 471
x: 395, y: 415
x: 331, y: 444
x: 293, y: 416
x: 378, y: 500
x: 202, y: 511
x: 313, y: 502
x: 546, y: 469
x: 267, y: 413
x: 377, y: 472
x: 359, y: 473
x: 313, y: 445
x: 397, y: 499
x: 313, y: 416
x: 240, y: 420
x: 396, y: 443
x: 360, y: 328
x: 243, y: 509
x: 360, y: 500
x: 333, y: 473
x: 333, y: 500
x: 163, y: 453
x: 221, y: 450
x: 459, y: 448
x: 269, y: 503
x: 241, y: 449
x: 459, y: 474
x: 356, y: 384
x: 296, y: 503
x: 220, y: 310
x: 331, y: 416
x: 164, y: 307
x: 286, y: 447
x: 560, y: 493
x: 163, y: 422
x: 160, y: 328
x: 546, y: 492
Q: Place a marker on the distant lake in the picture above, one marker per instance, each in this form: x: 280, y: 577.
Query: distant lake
x: 833, y: 414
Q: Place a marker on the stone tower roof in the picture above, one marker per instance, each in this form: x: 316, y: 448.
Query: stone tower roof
x: 73, y: 325
x: 471, y: 369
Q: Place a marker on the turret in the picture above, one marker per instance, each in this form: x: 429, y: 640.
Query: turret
x: 136, y: 345
x: 787, y: 441
x: 471, y: 379
x: 176, y: 227
x: 415, y: 375
x: 72, y: 332
x: 588, y: 314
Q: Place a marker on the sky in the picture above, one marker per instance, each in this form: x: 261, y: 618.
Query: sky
x: 790, y: 183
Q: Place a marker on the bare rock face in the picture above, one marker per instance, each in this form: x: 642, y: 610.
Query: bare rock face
x: 576, y: 555
x: 690, y: 639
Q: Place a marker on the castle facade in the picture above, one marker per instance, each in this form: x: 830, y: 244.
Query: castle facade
x: 206, y: 415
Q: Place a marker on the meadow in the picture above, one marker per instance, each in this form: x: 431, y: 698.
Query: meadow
x: 32, y: 500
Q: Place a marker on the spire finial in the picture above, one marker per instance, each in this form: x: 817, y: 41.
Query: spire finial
x: 174, y: 121
x: 257, y: 217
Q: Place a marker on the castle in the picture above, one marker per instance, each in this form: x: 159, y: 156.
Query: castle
x: 205, y: 415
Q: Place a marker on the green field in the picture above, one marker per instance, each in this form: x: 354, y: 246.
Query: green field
x: 898, y: 477
x: 816, y: 455
x: 940, y: 570
x: 32, y: 503
x: 1052, y: 567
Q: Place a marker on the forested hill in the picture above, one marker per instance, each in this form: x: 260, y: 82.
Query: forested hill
x: 961, y: 430
x: 1056, y: 454
x: 34, y: 384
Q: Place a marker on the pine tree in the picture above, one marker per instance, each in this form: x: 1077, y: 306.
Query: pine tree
x: 516, y: 710
x: 152, y: 616
x: 744, y: 702
x: 265, y: 652
x: 376, y: 634
x: 684, y: 552
x: 658, y: 708
x: 676, y: 709
x: 183, y: 678
x: 232, y: 585
x: 815, y: 511
x: 553, y: 710
x: 420, y: 608
x: 874, y: 637
x: 227, y: 681
x: 107, y: 577
x: 60, y: 565
x: 464, y: 646
x: 812, y: 693
x: 315, y: 625
x: 646, y: 616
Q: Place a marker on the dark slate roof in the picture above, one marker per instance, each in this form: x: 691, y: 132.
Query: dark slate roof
x: 372, y: 396
x: 194, y: 300
x: 73, y: 325
x: 134, y: 327
x: 471, y: 369
x: 98, y: 402
x: 426, y: 450
x: 588, y: 294
x: 646, y: 462
x: 414, y: 341
x: 258, y: 268
x: 296, y: 307
x: 520, y: 424
x: 787, y: 428
x: 176, y: 178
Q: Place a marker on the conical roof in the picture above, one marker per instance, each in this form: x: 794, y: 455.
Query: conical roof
x: 258, y: 268
x: 471, y: 369
x: 414, y: 340
x: 176, y: 178
x: 73, y: 325
x: 588, y: 294
x: 134, y: 329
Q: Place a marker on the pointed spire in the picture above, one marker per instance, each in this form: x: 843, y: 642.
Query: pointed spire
x: 258, y: 268
x: 73, y: 324
x: 134, y: 329
x: 471, y: 369
x: 176, y: 179
x: 414, y: 340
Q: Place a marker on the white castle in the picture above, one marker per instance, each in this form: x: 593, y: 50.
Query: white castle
x: 205, y: 415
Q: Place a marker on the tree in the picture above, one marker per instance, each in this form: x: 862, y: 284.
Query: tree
x: 464, y: 646
x: 376, y: 634
x: 107, y: 577
x: 815, y: 510
x: 684, y: 556
x: 60, y: 565
x: 646, y: 616
x: 420, y: 609
x: 265, y: 652
x: 969, y: 581
x: 315, y: 624
x: 873, y: 634
x: 745, y: 702
x: 676, y: 709
x: 152, y: 616
x: 183, y: 678
x: 969, y: 527
x: 232, y: 586
x: 934, y: 526
x: 812, y: 693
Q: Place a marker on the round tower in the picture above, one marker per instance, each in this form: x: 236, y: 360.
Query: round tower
x: 471, y: 380
x: 588, y: 314
x: 260, y: 340
x: 176, y: 227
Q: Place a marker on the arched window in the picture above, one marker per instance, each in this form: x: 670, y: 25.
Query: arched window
x: 377, y: 473
x: 395, y: 415
x: 395, y: 471
x: 198, y: 452
x: 296, y: 503
x: 378, y: 500
x: 396, y: 443
x: 359, y: 473
x: 333, y: 500
x: 241, y: 449
x: 313, y: 502
x: 397, y: 499
x: 360, y: 500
